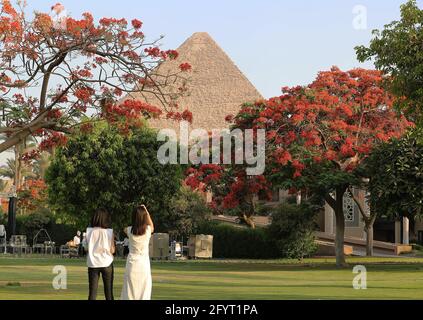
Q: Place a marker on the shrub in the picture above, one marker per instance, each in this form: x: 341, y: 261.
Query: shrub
x: 3, y: 218
x: 188, y: 209
x: 293, y: 228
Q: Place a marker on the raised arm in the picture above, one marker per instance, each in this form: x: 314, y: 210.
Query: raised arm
x: 149, y: 220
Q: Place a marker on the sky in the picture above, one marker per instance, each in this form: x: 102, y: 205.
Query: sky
x: 275, y: 43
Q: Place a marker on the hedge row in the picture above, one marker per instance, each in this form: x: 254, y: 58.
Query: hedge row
x: 29, y: 225
x: 240, y: 243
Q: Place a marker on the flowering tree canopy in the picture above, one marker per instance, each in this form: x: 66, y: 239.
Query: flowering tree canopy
x: 336, y: 119
x: 57, y: 72
x: 318, y: 135
x: 32, y: 195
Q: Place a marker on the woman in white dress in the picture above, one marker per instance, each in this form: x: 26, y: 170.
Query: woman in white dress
x: 137, y: 280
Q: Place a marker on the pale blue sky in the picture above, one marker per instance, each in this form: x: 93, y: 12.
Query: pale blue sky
x: 274, y: 42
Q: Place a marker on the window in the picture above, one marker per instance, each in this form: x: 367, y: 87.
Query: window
x: 349, y: 207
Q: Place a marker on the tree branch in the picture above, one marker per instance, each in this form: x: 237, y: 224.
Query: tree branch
x: 330, y: 200
x: 358, y: 203
x: 46, y: 78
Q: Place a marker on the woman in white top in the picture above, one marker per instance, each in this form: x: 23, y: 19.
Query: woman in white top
x: 137, y: 280
x: 77, y: 238
x: 101, y: 247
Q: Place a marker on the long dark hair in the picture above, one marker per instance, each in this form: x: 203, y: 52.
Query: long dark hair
x: 101, y: 219
x: 139, y: 221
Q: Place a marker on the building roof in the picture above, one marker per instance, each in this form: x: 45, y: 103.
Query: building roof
x: 216, y: 87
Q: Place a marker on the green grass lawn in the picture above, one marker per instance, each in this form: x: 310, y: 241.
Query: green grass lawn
x: 392, y: 278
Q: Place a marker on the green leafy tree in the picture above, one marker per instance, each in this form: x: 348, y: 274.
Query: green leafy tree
x: 397, y: 51
x: 114, y: 171
x: 396, y: 171
x: 188, y: 211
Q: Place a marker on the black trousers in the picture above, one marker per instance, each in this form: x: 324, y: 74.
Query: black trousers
x: 93, y: 276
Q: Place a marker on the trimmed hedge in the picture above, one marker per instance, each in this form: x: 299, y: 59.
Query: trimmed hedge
x: 240, y: 243
x: 59, y: 233
x: 30, y: 224
x: 290, y: 235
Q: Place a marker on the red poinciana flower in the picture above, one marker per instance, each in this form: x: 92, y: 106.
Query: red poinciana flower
x: 131, y: 110
x: 187, y: 116
x: 52, y: 139
x: 84, y: 94
x: 177, y: 116
x: 172, y: 54
x: 137, y: 24
x: 185, y: 66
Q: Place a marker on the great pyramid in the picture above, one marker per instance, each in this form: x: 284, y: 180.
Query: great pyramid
x: 216, y: 87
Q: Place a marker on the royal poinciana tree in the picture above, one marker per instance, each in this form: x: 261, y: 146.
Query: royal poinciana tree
x: 316, y: 138
x: 231, y: 188
x: 57, y: 72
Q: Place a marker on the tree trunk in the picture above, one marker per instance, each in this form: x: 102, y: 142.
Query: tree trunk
x: 17, y: 179
x: 298, y: 198
x: 369, y: 221
x: 369, y: 238
x: 21, y: 148
x: 339, y: 237
x: 340, y: 226
x: 249, y: 221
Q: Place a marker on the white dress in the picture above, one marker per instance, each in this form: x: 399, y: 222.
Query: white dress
x: 137, y: 280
